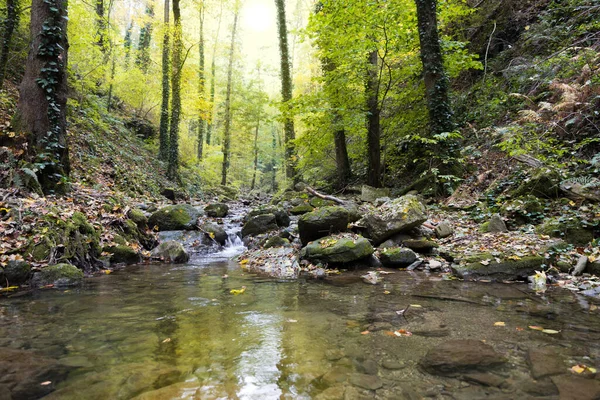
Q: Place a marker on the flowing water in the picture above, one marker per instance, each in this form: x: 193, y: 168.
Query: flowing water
x: 176, y: 332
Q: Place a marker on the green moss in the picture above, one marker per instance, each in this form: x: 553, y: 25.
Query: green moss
x: 138, y: 217
x: 59, y: 274
x: 301, y: 209
x: 338, y: 249
x: 569, y: 229
x: 485, y: 227
x: 123, y: 255
x: 177, y: 217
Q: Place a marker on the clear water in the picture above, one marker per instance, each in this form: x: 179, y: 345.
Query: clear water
x: 176, y: 332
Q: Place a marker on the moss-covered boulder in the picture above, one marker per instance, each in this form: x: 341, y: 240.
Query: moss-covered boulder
x: 486, y: 266
x: 276, y: 241
x: 171, y: 252
x: 123, y: 254
x: 290, y: 197
x: 322, y: 222
x: 420, y: 245
x: 370, y: 194
x: 216, y: 210
x: 259, y: 224
x: 398, y: 215
x: 16, y: 272
x: 138, y: 217
x: 301, y: 209
x: 523, y: 210
x: 570, y: 229
x: 180, y: 217
x: 58, y: 275
x: 317, y: 202
x: 542, y: 182
x: 397, y: 257
x: 214, y: 231
x: 341, y: 248
x: 281, y: 216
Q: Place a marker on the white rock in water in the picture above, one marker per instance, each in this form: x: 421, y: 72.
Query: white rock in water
x: 371, y: 277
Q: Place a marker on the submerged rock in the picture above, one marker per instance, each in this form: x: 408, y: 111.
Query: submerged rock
x: 322, y: 222
x: 399, y: 215
x: 171, y: 252
x: 337, y: 249
x: 175, y: 218
x: 486, y: 266
x: 217, y: 210
x: 259, y: 224
x: 457, y: 356
x: 58, y: 275
x: 276, y: 262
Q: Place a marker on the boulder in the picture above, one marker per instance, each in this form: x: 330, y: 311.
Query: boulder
x: 579, y: 189
x: 572, y: 387
x: 443, y: 230
x: 123, y: 254
x: 523, y: 210
x: 570, y: 229
x: 317, y: 202
x: 215, y: 232
x: 301, y: 209
x: 276, y: 262
x: 370, y: 194
x: 171, y: 252
x: 174, y: 194
x: 259, y: 224
x: 542, y: 182
x: 459, y: 356
x: 16, y: 272
x: 175, y: 218
x: 399, y: 215
x: 216, y: 210
x: 322, y: 222
x: 486, y: 266
x: 276, y: 241
x: 58, y: 275
x: 138, y: 217
x: 397, y: 257
x: 281, y: 216
x: 495, y: 225
x: 420, y: 245
x: 341, y: 248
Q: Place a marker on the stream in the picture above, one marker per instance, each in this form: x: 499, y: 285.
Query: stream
x: 176, y: 332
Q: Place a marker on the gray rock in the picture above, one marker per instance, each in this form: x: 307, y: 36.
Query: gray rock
x: 369, y: 382
x: 276, y: 241
x: 572, y: 387
x: 171, y: 252
x: 337, y: 249
x: 259, y: 224
x: 175, y: 218
x: 58, y: 275
x: 215, y: 231
x: 281, y: 216
x: 545, y: 362
x: 322, y: 222
x: 17, y: 272
x: 444, y: 229
x: 496, y: 224
x: 332, y: 393
x: 397, y: 257
x: 217, y: 210
x: 456, y: 356
x: 393, y: 364
x: 276, y: 262
x: 123, y: 254
x: 485, y: 266
x: 370, y: 194
x: 398, y: 215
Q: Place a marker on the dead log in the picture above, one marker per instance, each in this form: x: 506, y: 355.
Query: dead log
x: 324, y: 196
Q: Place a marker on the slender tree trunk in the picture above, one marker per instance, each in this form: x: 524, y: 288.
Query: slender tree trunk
x: 177, y: 66
x: 143, y: 56
x: 274, y: 160
x: 255, y: 155
x: 227, y: 130
x: 201, y: 86
x: 101, y: 34
x: 110, y: 86
x: 341, y: 156
x: 373, y: 124
x: 213, y: 70
x: 163, y: 135
x: 127, y: 43
x: 286, y: 92
x: 434, y: 75
x: 43, y: 93
x: 10, y: 25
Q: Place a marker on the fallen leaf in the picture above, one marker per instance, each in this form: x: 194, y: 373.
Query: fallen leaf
x: 578, y: 369
x: 499, y: 323
x: 46, y: 383
x: 536, y: 328
x: 550, y: 331
x: 416, y: 306
x: 167, y: 340
x: 386, y: 292
x: 292, y: 320
x: 365, y: 332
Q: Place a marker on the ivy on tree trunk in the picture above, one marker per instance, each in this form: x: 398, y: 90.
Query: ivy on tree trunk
x: 11, y: 22
x: 201, y: 86
x: 163, y: 134
x: 177, y: 64
x: 373, y: 121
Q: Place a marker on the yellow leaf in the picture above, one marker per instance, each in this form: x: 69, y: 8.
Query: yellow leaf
x: 386, y: 292
x: 238, y: 291
x: 536, y: 328
x: 572, y: 203
x: 550, y: 331
x: 365, y: 332
x: 244, y: 261
x: 499, y: 323
x: 416, y: 306
x: 211, y: 234
x: 8, y: 289
x: 167, y: 340
x: 578, y: 369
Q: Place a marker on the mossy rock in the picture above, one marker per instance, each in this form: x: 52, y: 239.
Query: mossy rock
x: 569, y: 229
x: 484, y: 227
x: 342, y: 248
x: 259, y: 224
x: 317, y: 202
x: 138, y: 217
x: 16, y: 272
x: 123, y: 255
x: 276, y: 241
x: 370, y: 194
x: 398, y: 215
x: 281, y: 216
x: 523, y: 210
x: 215, y: 232
x: 26, y: 179
x: 171, y: 252
x: 397, y: 257
x: 542, y: 182
x: 175, y: 218
x: 291, y: 197
x: 58, y: 275
x: 322, y: 222
x: 485, y: 266
x: 301, y: 209
x: 82, y: 223
x: 420, y: 245
x: 216, y: 210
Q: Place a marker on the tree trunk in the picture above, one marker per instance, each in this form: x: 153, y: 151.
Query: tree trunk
x: 436, y: 81
x: 341, y: 156
x: 143, y: 56
x: 127, y: 43
x: 227, y: 131
x: 373, y: 125
x: 110, y: 86
x: 10, y: 25
x: 286, y: 92
x: 41, y: 110
x: 177, y: 66
x: 101, y: 34
x: 163, y: 135
x: 255, y: 155
x: 213, y: 70
x: 201, y: 86
x: 274, y: 160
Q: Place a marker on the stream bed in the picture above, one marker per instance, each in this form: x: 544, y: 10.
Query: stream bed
x: 177, y: 332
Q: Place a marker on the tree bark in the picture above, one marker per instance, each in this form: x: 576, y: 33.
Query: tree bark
x: 434, y: 75
x: 101, y: 34
x: 41, y: 110
x: 286, y: 92
x: 373, y: 123
x: 163, y: 135
x: 213, y: 70
x: 201, y: 86
x: 255, y: 155
x: 227, y: 130
x: 10, y: 25
x: 177, y: 66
